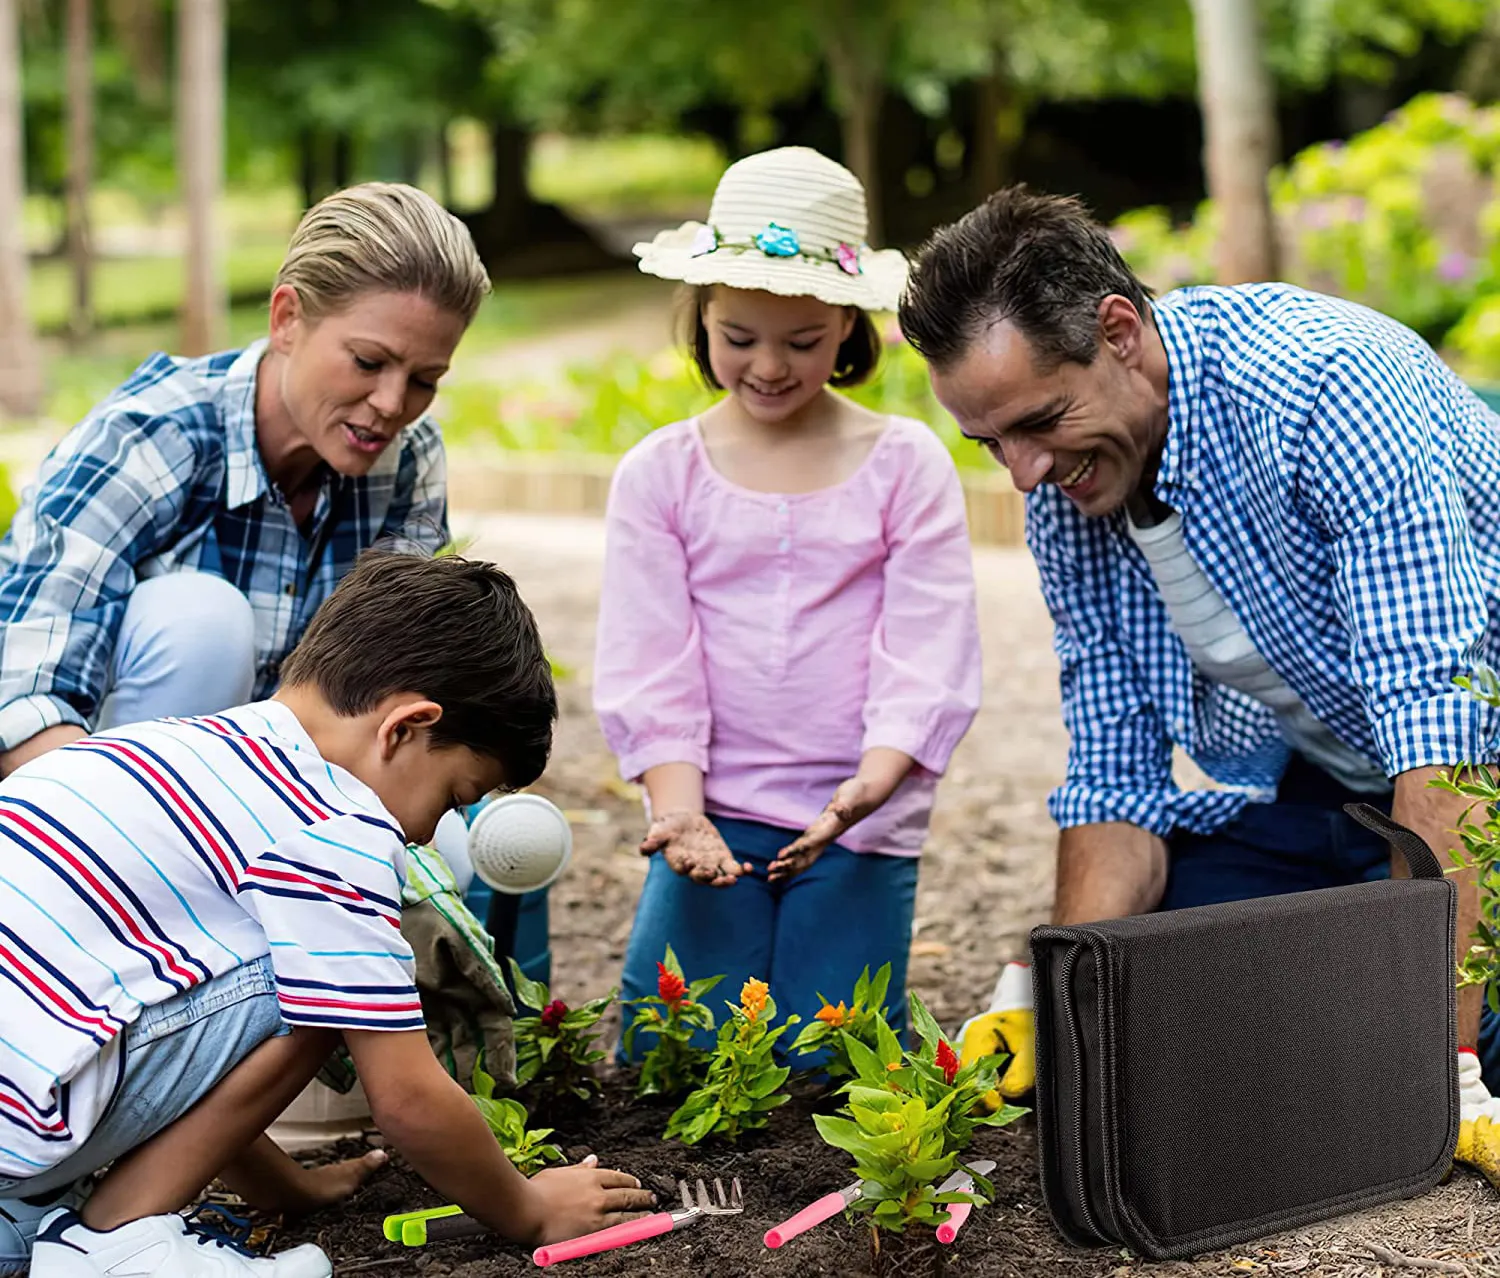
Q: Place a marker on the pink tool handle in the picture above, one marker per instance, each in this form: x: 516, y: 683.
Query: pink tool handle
x: 632, y: 1231
x: 957, y: 1214
x: 825, y: 1208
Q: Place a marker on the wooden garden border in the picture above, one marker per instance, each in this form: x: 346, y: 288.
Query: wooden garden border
x: 578, y: 484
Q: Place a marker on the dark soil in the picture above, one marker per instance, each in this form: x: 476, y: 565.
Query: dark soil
x: 786, y: 1167
x: 986, y: 880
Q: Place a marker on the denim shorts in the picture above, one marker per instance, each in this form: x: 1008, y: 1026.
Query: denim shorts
x: 175, y: 1054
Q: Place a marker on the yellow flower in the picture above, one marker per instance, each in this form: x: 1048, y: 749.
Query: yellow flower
x: 835, y: 1017
x: 753, y: 997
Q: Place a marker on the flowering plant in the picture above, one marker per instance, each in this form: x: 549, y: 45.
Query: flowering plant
x: 907, y: 1117
x: 526, y: 1147
x: 672, y: 1015
x: 556, y: 1049
x: 744, y: 1081
x: 832, y: 1025
x: 778, y: 241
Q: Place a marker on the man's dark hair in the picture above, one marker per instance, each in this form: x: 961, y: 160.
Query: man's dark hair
x: 448, y: 628
x: 1039, y: 261
x: 858, y: 355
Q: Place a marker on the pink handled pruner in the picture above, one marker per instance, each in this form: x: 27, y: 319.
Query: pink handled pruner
x: 961, y: 1182
x: 825, y: 1208
x: 653, y: 1226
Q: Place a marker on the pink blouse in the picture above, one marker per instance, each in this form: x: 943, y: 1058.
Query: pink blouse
x: 770, y: 639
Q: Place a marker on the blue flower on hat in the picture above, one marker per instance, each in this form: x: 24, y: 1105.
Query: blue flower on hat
x: 778, y: 241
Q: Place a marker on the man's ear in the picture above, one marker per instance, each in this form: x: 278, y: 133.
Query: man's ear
x: 404, y: 723
x: 1122, y: 329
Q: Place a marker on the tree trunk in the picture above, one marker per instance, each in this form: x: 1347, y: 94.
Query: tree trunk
x: 1239, y: 127
x: 308, y: 169
x: 343, y: 160
x: 20, y: 358
x: 444, y: 166
x: 859, y: 91
x: 988, y: 172
x: 80, y: 106
x: 200, y: 122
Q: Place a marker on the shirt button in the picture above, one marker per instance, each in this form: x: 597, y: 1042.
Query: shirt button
x: 290, y: 589
x: 781, y: 507
x: 785, y: 543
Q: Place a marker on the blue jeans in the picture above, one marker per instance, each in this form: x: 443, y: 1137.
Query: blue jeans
x: 811, y: 936
x: 186, y: 647
x: 175, y: 1054
x: 1303, y: 840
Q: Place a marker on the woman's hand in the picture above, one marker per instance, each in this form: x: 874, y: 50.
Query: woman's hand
x: 694, y: 848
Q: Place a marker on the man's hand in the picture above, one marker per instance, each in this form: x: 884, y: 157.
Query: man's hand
x: 465, y: 1001
x: 1009, y: 1026
x: 573, y: 1201
x: 694, y: 848
x: 1478, y: 1121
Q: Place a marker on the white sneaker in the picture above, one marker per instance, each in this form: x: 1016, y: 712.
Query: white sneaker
x: 166, y: 1246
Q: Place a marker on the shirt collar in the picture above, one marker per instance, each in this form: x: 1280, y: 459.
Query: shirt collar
x: 247, y: 479
x: 1184, y: 347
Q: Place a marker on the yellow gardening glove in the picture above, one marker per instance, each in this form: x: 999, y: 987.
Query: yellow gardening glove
x: 1478, y: 1121
x: 1009, y: 1026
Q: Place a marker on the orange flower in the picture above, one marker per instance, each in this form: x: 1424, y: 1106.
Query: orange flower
x: 753, y: 997
x: 835, y: 1017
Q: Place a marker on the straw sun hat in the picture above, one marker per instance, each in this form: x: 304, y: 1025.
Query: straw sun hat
x: 787, y: 221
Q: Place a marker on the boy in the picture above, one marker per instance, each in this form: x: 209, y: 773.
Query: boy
x: 192, y: 911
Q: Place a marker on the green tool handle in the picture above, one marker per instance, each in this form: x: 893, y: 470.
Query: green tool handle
x: 443, y: 1229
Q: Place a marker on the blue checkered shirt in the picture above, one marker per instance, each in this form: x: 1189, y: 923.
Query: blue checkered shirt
x: 1340, y: 488
x: 165, y: 476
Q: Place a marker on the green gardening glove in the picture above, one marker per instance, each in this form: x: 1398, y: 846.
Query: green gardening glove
x: 465, y: 1001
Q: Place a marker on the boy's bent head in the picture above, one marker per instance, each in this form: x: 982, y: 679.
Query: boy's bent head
x: 433, y: 683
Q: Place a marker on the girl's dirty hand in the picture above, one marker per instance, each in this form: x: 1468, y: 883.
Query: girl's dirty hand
x: 693, y: 848
x: 850, y: 802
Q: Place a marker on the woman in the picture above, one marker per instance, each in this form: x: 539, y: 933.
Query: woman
x: 179, y: 539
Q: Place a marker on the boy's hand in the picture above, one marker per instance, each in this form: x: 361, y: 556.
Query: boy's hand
x: 573, y: 1201
x: 694, y: 848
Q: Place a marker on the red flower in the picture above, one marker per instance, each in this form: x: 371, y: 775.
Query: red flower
x: 947, y: 1061
x: 553, y: 1013
x: 671, y: 987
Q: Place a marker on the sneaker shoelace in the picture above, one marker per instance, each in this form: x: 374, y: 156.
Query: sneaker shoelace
x: 234, y: 1233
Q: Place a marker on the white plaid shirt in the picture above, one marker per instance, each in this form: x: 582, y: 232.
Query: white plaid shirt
x: 1340, y: 488
x: 163, y: 476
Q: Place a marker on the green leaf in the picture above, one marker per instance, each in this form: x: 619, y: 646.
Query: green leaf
x: 531, y: 993
x: 878, y: 989
x: 867, y: 1064
x: 921, y: 1019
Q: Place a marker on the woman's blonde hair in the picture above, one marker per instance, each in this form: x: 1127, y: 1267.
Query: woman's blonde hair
x: 382, y: 237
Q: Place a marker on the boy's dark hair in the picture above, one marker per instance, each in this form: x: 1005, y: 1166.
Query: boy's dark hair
x: 448, y: 628
x: 1039, y: 261
x: 858, y: 357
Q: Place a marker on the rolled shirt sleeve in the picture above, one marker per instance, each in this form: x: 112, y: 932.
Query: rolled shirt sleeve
x: 1409, y: 582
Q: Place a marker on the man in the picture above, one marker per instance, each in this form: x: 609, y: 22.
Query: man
x: 1267, y: 525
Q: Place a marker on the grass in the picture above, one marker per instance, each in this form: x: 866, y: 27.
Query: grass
x: 626, y: 176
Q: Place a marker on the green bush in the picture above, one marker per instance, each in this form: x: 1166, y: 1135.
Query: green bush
x: 1403, y: 218
x: 606, y: 407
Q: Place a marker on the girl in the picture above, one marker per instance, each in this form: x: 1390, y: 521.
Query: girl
x: 788, y: 649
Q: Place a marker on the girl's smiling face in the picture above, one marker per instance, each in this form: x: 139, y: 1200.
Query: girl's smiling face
x: 774, y: 354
